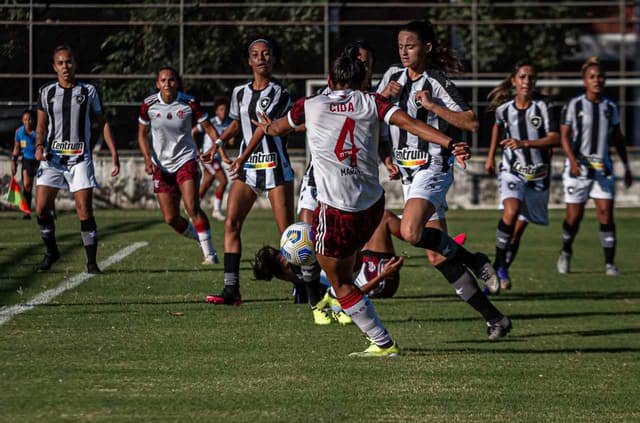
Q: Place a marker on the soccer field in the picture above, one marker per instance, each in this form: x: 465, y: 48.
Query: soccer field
x: 138, y: 343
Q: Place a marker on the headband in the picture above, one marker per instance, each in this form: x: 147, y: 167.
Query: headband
x: 261, y: 40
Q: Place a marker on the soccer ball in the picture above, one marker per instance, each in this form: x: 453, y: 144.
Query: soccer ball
x: 296, y: 244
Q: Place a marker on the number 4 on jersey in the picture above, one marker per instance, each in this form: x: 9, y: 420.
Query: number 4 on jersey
x: 341, y: 153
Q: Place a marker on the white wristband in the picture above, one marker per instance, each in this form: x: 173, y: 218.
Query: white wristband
x: 219, y: 142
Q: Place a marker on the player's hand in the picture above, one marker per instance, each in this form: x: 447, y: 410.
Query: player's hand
x: 13, y: 167
x: 41, y: 153
x: 574, y: 168
x: 423, y: 99
x: 235, y: 167
x: 265, y: 122
x: 207, y: 156
x: 628, y: 178
x: 392, y: 169
x: 150, y: 168
x: 223, y: 155
x: 462, y: 153
x: 391, y: 90
x: 490, y: 167
x: 116, y: 165
x: 392, y: 266
x: 512, y: 144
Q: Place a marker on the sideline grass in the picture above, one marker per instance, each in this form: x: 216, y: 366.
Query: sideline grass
x: 138, y: 343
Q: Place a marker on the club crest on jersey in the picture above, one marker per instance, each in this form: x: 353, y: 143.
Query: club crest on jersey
x: 261, y: 161
x: 169, y: 116
x: 180, y: 114
x: 417, y: 102
x: 80, y: 98
x: 264, y: 103
x: 536, y: 121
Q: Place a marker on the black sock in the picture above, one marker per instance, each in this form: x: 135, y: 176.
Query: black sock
x: 512, y: 252
x: 27, y: 198
x: 311, y: 277
x: 89, y: 233
x: 504, y: 233
x: 568, y: 235
x: 608, y: 242
x: 467, y: 289
x: 48, y: 233
x: 231, y: 270
x: 439, y: 241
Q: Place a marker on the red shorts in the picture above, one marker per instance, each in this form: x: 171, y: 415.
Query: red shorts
x: 165, y: 182
x: 372, y: 265
x: 339, y: 233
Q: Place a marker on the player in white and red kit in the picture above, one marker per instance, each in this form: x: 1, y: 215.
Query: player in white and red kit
x: 172, y: 158
x: 342, y: 129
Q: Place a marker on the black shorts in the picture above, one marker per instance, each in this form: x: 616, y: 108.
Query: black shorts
x: 30, y: 166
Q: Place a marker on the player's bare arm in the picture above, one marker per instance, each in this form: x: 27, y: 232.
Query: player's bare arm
x: 460, y: 119
x: 217, y: 147
x: 490, y: 163
x: 552, y: 139
x: 459, y: 149
x: 232, y: 130
x: 392, y: 266
x: 565, y: 142
x: 108, y: 138
x: 41, y: 129
x: 143, y: 144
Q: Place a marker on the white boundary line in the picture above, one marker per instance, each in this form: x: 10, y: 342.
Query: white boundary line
x: 45, y: 297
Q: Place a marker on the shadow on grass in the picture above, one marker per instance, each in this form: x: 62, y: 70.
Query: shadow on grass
x: 65, y: 245
x: 432, y: 351
x: 535, y: 296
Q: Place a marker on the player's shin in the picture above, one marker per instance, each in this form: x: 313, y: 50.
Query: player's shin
x: 311, y: 277
x: 467, y: 289
x: 608, y: 241
x: 48, y: 234
x: 89, y: 233
x: 363, y: 314
x: 204, y: 238
x: 504, y: 233
x: 569, y: 233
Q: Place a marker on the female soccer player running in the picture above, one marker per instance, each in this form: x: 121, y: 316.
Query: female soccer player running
x: 590, y: 124
x: 421, y: 88
x: 25, y: 145
x: 527, y: 131
x: 172, y: 158
x: 63, y: 147
x: 263, y: 164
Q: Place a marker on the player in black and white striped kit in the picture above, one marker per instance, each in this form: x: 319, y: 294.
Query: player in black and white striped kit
x: 263, y: 166
x: 63, y: 146
x: 527, y: 130
x: 422, y: 89
x: 590, y: 126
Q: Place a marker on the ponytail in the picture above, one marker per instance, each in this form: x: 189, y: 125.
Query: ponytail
x: 502, y: 93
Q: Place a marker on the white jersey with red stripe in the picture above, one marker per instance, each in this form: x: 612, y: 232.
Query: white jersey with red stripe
x: 342, y: 132
x: 171, y: 142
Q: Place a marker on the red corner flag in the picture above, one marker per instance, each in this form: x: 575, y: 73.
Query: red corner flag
x: 15, y: 198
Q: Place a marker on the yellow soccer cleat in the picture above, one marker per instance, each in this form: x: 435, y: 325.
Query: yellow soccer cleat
x: 320, y: 317
x: 342, y: 318
x: 376, y: 351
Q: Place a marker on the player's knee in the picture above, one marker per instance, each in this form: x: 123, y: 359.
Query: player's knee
x: 173, y: 221
x: 409, y: 234
x: 232, y: 225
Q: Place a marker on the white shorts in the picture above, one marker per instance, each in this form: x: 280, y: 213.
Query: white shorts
x: 430, y: 186
x: 308, y: 198
x: 71, y: 178
x: 579, y: 190
x: 534, y: 205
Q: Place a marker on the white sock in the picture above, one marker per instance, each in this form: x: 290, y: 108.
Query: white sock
x: 365, y: 317
x: 217, y: 204
x: 205, y: 243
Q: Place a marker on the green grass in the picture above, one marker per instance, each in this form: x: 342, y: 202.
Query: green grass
x: 138, y: 343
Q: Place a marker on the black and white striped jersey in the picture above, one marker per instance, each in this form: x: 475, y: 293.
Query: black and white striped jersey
x: 269, y: 165
x: 68, y: 110
x: 532, y: 123
x: 591, y: 130
x: 410, y: 153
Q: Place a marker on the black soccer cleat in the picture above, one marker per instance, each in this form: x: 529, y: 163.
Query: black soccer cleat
x: 47, y: 261
x: 93, y: 269
x: 499, y: 329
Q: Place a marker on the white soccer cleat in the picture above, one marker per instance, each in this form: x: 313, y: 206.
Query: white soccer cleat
x: 217, y: 215
x: 563, y: 262
x: 212, y: 259
x: 612, y: 270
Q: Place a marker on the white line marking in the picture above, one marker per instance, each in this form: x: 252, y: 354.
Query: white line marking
x: 45, y: 297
